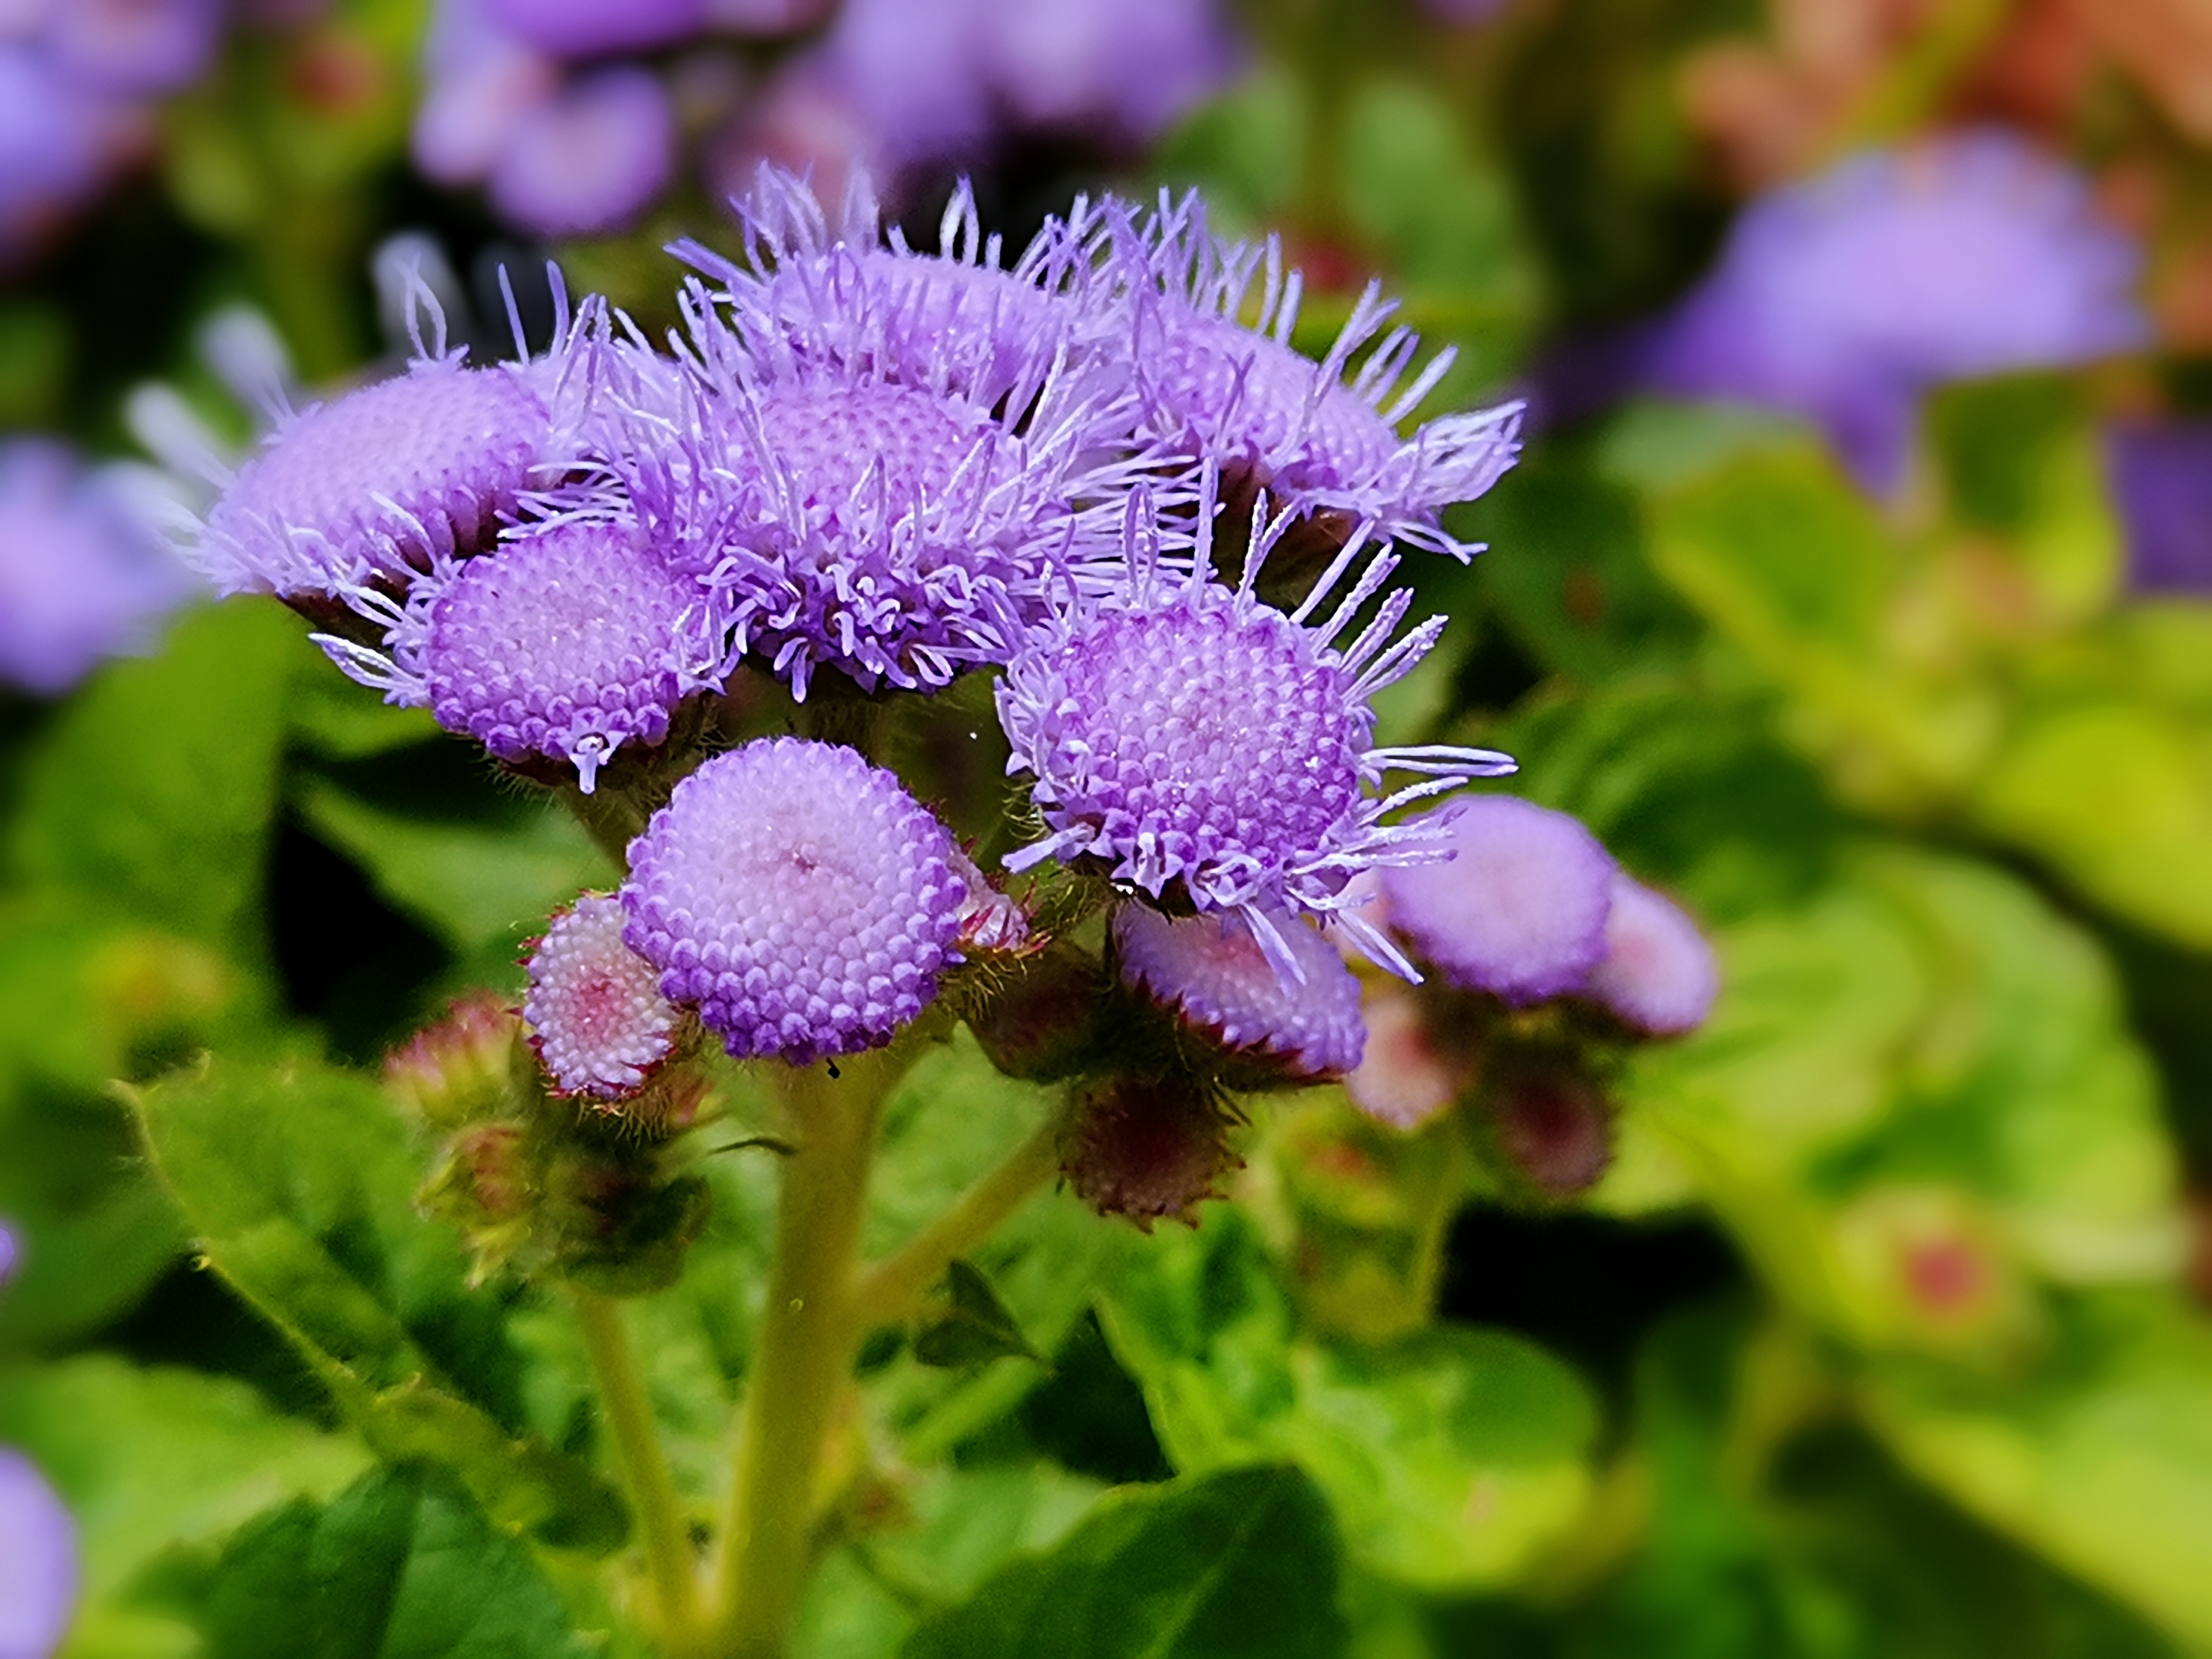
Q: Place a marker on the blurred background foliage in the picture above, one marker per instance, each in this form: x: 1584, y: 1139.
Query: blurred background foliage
x: 1884, y: 1332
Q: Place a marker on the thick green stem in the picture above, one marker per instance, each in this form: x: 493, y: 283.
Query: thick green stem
x: 804, y: 1355
x: 644, y: 1469
x: 892, y: 1290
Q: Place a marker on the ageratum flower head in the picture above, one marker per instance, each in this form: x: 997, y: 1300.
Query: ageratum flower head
x: 1214, y: 752
x: 847, y: 290
x: 1220, y: 379
x: 798, y: 898
x: 39, y: 1565
x: 595, y: 1012
x: 566, y: 642
x: 1519, y: 910
x: 1657, y: 973
x: 1210, y: 971
x: 892, y: 528
x: 1845, y: 297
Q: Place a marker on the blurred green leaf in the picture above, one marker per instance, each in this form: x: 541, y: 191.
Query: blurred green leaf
x: 1454, y: 1458
x: 482, y: 887
x: 968, y: 1325
x: 153, y: 794
x: 1245, y: 148
x: 400, y: 1565
x: 1240, y: 1563
x: 299, y: 1182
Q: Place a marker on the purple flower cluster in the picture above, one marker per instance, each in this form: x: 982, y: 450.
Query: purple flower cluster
x: 1527, y: 908
x: 1846, y: 297
x: 77, y: 78
x: 83, y: 573
x: 40, y: 1572
x: 859, y: 471
x: 572, y: 114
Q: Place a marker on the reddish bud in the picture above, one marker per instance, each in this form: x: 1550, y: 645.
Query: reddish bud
x: 462, y: 1068
x: 1148, y: 1148
x: 1554, y: 1127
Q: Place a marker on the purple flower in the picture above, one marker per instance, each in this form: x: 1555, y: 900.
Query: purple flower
x: 1844, y: 298
x: 38, y: 1570
x: 1211, y: 971
x: 1658, y: 973
x: 589, y: 157
x: 566, y: 642
x: 849, y: 519
x: 11, y: 1256
x: 1518, y: 910
x: 2161, y: 477
x: 1316, y: 442
x: 479, y: 83
x: 1129, y: 68
x: 134, y: 47
x: 595, y: 1012
x: 58, y: 143
x: 799, y: 898
x: 82, y: 575
x: 1188, y: 735
x: 593, y: 28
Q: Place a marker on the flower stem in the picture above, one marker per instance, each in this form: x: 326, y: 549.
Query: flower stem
x: 804, y: 1355
x: 890, y: 1290
x: 644, y: 1469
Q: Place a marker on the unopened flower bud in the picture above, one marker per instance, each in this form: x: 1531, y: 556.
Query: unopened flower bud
x: 1211, y: 973
x: 465, y: 1068
x: 1042, y: 1022
x: 1658, y: 973
x: 1405, y: 1076
x: 1518, y: 910
x: 1150, y: 1148
x: 1553, y: 1126
x: 596, y: 1015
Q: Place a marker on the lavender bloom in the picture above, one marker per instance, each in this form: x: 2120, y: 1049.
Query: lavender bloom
x: 592, y: 28
x: 2162, y: 478
x: 58, y: 140
x: 134, y: 47
x: 588, y: 158
x: 1844, y: 298
x: 595, y: 1012
x: 1127, y: 67
x: 82, y: 575
x: 913, y: 77
x: 893, y: 532
x: 480, y: 82
x: 11, y: 1254
x: 1316, y: 442
x: 1519, y: 910
x: 1211, y: 971
x: 567, y: 643
x: 1186, y: 733
x: 799, y: 898
x: 38, y: 1570
x: 1658, y: 973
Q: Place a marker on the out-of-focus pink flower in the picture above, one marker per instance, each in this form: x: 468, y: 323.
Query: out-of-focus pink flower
x: 590, y: 158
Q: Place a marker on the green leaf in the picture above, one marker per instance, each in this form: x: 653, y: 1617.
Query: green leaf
x: 1244, y: 149
x: 968, y: 1325
x: 299, y: 1182
x: 1242, y: 1563
x: 149, y: 1459
x: 482, y: 887
x: 153, y: 791
x: 401, y: 1566
x: 1454, y: 1458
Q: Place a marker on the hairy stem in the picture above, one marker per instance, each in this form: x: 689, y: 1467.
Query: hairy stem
x: 804, y: 1355
x: 644, y: 1468
x: 890, y: 1290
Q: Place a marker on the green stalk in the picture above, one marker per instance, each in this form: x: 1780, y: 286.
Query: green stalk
x: 893, y: 1288
x: 808, y: 1338
x: 644, y: 1470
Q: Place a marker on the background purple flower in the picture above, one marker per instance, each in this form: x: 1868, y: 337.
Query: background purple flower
x: 592, y: 28
x: 589, y: 157
x: 11, y: 1254
x: 1658, y: 973
x: 39, y: 1569
x: 1845, y: 297
x: 82, y: 573
x: 139, y: 46
x: 2162, y: 478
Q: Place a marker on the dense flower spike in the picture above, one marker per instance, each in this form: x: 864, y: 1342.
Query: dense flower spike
x: 1518, y: 911
x: 1212, y: 973
x: 1658, y: 973
x: 595, y: 1012
x: 1190, y: 736
x: 83, y: 575
x: 798, y: 896
x: 567, y: 643
x: 1216, y: 387
x: 1847, y: 296
x: 39, y: 1569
